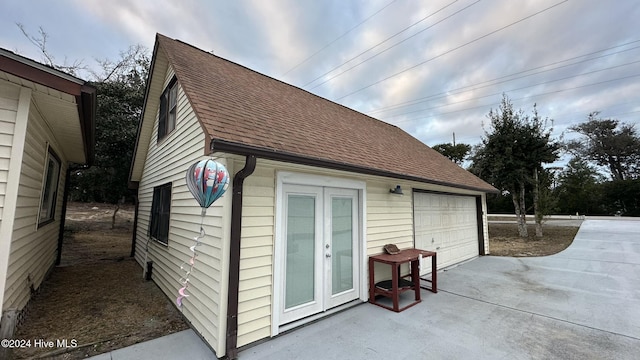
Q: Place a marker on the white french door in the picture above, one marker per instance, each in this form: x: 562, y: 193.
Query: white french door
x: 319, y: 259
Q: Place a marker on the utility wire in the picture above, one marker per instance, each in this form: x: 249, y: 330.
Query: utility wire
x: 384, y: 41
x: 338, y: 38
x: 452, y: 50
x: 492, y: 81
x: 520, y: 88
x: 522, y: 98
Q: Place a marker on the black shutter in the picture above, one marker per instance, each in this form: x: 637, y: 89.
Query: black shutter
x: 163, y: 230
x: 153, y: 227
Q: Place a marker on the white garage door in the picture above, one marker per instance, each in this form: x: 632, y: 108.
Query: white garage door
x: 447, y: 224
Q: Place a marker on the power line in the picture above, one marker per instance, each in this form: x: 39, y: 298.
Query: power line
x: 451, y: 50
x: 338, y: 38
x: 384, y: 41
x: 522, y: 98
x: 556, y: 117
x: 457, y: 90
x: 516, y: 89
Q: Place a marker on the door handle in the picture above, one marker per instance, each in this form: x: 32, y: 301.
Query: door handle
x: 327, y: 255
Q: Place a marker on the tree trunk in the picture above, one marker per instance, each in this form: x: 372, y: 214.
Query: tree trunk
x: 113, y: 218
x: 536, y: 206
x: 617, y: 173
x: 521, y: 211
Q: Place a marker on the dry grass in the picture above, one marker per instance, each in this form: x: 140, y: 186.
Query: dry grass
x: 504, y: 240
x: 97, y: 296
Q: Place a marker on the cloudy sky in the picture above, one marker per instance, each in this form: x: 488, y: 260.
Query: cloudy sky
x: 433, y: 68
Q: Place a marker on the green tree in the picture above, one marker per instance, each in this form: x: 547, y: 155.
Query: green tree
x: 456, y: 153
x: 120, y: 89
x: 547, y: 202
x: 120, y: 94
x: 512, y: 153
x: 499, y: 203
x: 608, y: 143
x: 579, y: 188
x: 621, y: 197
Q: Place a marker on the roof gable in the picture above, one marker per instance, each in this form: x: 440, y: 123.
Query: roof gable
x: 244, y: 109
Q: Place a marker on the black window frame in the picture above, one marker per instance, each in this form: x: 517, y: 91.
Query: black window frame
x: 49, y: 193
x: 168, y: 114
x: 160, y: 213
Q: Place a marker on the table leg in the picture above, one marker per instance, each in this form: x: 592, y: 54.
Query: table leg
x: 394, y: 288
x: 372, y: 295
x: 434, y: 274
x: 415, y: 277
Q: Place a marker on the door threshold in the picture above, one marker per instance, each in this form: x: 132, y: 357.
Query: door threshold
x: 313, y: 318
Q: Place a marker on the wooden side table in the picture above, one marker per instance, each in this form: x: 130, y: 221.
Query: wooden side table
x: 398, y: 284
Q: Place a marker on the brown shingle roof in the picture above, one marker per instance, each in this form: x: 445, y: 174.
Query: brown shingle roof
x: 238, y: 105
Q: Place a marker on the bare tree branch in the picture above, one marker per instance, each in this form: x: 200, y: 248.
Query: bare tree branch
x: 40, y: 42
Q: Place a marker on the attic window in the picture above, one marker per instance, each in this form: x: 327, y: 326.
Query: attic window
x: 168, y: 109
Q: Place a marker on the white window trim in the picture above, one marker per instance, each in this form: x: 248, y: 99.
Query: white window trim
x: 292, y: 178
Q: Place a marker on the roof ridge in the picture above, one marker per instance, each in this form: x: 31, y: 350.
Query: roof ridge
x: 371, y: 118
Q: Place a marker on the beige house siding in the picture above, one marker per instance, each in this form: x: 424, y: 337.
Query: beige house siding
x: 256, y: 254
x: 33, y: 249
x: 167, y: 161
x: 389, y: 219
x: 10, y: 96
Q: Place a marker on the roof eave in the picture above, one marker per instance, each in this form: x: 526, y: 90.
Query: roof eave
x: 270, y: 154
x: 40, y: 73
x: 84, y: 93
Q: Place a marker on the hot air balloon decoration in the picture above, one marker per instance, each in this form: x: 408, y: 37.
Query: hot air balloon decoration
x: 207, y: 180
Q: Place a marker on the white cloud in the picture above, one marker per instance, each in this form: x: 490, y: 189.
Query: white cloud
x: 273, y: 36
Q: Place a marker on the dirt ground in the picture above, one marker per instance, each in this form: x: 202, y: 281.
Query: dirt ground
x: 97, y: 296
x: 504, y: 240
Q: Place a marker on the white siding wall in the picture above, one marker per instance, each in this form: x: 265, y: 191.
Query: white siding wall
x: 33, y: 249
x: 168, y: 161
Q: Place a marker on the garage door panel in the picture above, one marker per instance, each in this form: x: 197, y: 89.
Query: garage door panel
x: 448, y: 225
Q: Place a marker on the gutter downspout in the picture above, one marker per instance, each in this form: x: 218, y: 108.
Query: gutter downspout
x: 135, y: 225
x: 63, y: 215
x: 234, y: 256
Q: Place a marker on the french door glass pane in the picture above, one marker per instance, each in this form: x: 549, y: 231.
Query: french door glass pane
x: 342, y: 244
x: 300, y: 266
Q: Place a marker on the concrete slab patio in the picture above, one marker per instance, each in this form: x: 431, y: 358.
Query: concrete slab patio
x: 583, y: 303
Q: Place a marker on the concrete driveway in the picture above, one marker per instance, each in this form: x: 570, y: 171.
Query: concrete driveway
x: 583, y: 303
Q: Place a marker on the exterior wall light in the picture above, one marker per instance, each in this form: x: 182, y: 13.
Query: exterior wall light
x: 397, y: 190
